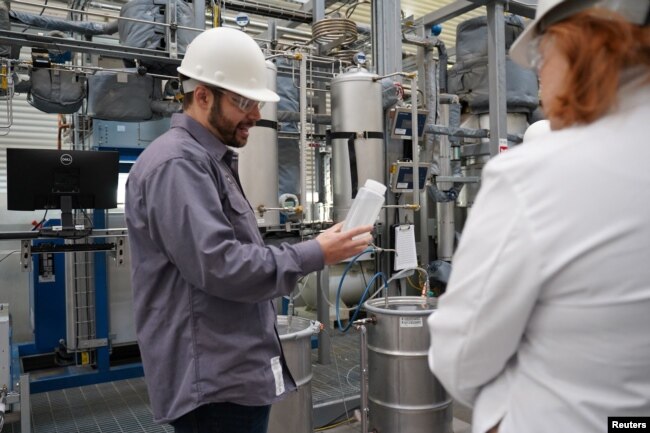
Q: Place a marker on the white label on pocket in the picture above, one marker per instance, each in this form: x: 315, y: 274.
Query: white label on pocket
x: 276, y: 367
x: 410, y: 322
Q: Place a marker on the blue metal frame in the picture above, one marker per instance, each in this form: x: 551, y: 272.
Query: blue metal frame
x: 50, y: 323
x: 48, y: 302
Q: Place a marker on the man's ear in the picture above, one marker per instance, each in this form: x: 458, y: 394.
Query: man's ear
x: 203, y: 97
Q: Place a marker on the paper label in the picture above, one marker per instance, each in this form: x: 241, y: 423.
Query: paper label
x: 400, y: 131
x: 503, y: 145
x: 410, y: 322
x: 276, y: 367
x: 406, y: 253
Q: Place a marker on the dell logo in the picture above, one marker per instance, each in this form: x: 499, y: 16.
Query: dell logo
x: 66, y: 159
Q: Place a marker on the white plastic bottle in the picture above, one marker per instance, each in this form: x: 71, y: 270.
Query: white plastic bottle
x: 366, y: 205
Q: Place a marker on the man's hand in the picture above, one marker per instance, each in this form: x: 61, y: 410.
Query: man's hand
x: 338, y: 246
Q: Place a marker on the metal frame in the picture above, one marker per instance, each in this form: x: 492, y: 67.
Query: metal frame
x: 459, y: 7
x: 108, y: 50
x: 497, y: 75
x: 48, y: 332
x: 496, y: 54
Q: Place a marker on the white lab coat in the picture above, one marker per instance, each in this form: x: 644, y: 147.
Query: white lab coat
x: 546, y: 321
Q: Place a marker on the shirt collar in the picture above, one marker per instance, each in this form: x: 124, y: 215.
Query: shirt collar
x: 201, y: 134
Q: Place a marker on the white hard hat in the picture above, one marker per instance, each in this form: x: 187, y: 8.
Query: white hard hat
x: 552, y: 11
x: 536, y: 130
x: 229, y: 59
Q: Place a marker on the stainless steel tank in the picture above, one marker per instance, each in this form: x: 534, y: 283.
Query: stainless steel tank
x: 404, y: 396
x: 356, y: 108
x: 258, y: 161
x: 294, y: 413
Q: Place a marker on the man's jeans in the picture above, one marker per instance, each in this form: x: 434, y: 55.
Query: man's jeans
x: 224, y: 418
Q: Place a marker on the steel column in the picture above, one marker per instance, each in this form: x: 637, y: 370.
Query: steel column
x: 497, y: 76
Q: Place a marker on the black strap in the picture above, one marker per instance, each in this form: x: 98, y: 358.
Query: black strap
x: 355, y: 135
x: 264, y: 123
x: 352, y: 137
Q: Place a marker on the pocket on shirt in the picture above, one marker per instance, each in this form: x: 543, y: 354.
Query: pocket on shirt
x: 239, y: 204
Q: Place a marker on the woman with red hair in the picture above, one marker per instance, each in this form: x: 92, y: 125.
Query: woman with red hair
x: 544, y: 325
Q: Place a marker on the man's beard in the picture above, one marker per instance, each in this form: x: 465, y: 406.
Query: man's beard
x: 226, y: 128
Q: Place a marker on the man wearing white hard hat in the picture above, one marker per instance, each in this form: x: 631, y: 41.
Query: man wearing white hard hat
x: 203, y: 279
x: 544, y: 325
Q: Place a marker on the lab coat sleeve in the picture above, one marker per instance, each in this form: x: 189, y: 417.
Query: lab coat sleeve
x: 482, y: 317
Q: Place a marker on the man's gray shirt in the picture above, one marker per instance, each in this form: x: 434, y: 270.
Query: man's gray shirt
x: 203, y: 280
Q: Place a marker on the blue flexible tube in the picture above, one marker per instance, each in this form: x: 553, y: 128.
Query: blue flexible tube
x: 338, y: 291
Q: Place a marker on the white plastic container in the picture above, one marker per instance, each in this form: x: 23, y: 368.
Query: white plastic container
x: 366, y: 205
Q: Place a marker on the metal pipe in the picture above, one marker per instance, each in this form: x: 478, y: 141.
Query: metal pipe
x: 497, y: 76
x: 363, y: 353
x: 83, y: 12
x: 445, y: 220
x: 272, y: 11
x: 443, y: 60
x: 303, y: 128
x: 263, y: 25
x: 105, y: 6
x: 323, y: 316
x: 318, y: 10
x: 419, y: 41
x: 199, y: 14
x: 292, y: 116
x: 415, y: 139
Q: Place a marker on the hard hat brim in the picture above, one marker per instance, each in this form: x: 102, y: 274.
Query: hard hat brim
x: 261, y: 95
x: 519, y: 48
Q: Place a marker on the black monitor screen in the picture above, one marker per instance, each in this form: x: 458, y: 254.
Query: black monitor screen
x: 38, y: 179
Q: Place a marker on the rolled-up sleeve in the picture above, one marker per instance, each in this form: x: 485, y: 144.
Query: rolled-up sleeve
x: 493, y: 288
x: 188, y: 221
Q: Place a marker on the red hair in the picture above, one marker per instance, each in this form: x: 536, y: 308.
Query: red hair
x: 598, y: 44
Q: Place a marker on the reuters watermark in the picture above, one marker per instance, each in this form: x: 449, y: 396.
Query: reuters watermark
x: 628, y: 424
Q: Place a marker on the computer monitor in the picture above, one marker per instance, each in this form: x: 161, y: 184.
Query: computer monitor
x: 61, y: 179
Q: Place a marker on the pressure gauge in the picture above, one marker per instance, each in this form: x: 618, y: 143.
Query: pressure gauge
x: 242, y: 19
x: 359, y: 58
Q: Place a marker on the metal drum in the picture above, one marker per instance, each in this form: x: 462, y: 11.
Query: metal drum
x: 404, y: 396
x: 294, y: 413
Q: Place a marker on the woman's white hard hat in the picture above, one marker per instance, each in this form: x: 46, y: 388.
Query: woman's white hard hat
x: 552, y: 11
x: 229, y: 59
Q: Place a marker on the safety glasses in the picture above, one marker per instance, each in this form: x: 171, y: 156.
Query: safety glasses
x: 535, y: 56
x: 244, y: 104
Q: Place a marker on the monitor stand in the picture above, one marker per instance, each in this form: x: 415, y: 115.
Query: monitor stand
x: 68, y: 229
x: 67, y: 224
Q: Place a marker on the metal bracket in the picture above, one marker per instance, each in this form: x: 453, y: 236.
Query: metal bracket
x: 454, y: 179
x: 26, y: 256
x: 91, y: 344
x: 172, y: 40
x: 119, y: 251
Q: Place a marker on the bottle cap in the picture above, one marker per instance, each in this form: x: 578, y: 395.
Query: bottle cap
x: 375, y: 186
